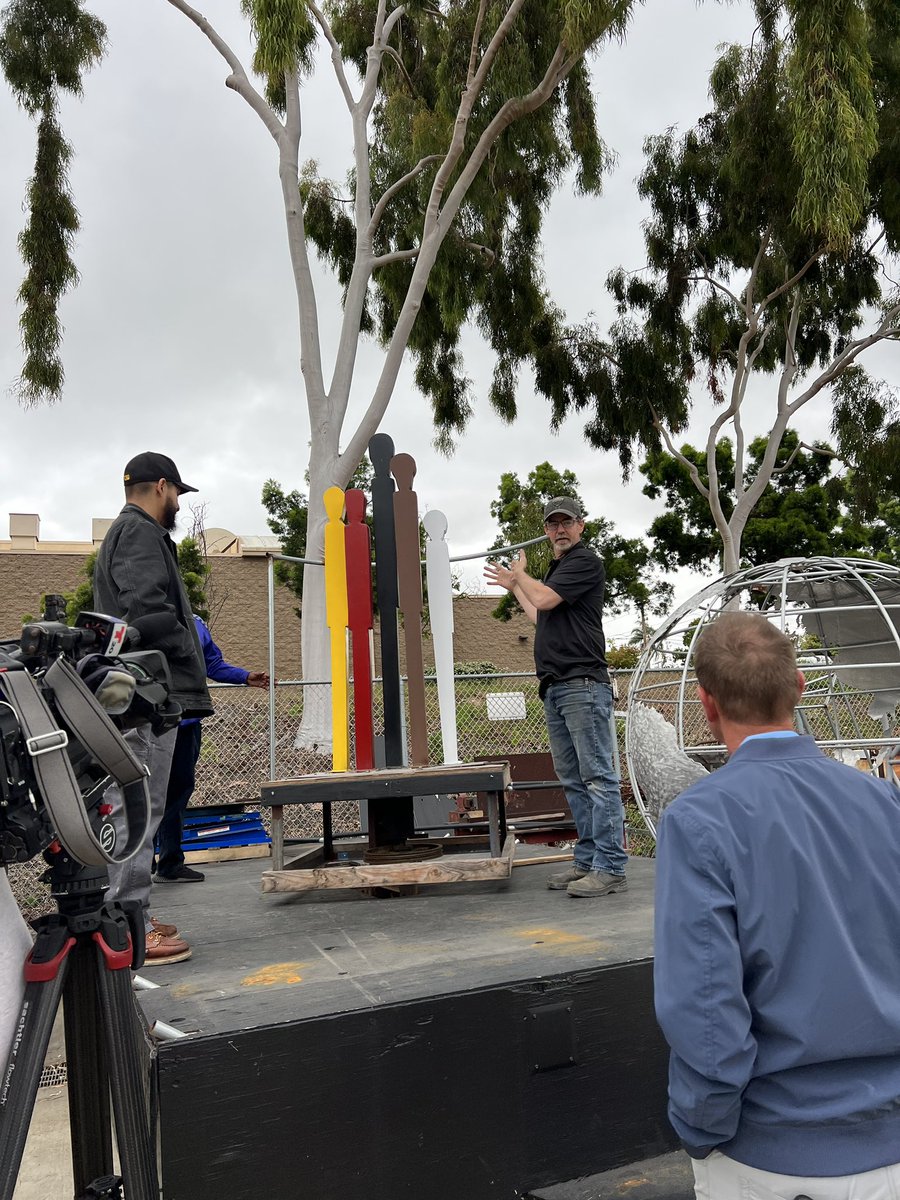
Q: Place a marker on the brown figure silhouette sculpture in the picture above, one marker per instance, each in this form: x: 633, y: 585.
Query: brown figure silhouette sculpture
x: 409, y: 577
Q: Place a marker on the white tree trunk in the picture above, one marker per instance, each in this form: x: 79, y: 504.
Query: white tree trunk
x: 315, y: 725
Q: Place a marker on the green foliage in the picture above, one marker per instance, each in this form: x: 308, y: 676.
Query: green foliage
x: 622, y: 658
x: 488, y: 270
x: 866, y: 424
x: 82, y: 599
x: 519, y: 511
x: 194, y: 571
x: 803, y: 512
x: 833, y: 117
x: 285, y: 42
x: 475, y: 668
x: 45, y: 47
x: 791, y: 175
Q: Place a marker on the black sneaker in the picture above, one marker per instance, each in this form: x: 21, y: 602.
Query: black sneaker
x: 182, y: 874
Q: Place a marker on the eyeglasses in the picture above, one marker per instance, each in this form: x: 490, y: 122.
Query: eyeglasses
x: 565, y: 523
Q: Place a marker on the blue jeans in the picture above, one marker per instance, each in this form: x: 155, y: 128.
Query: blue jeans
x: 579, y: 721
x: 169, y: 854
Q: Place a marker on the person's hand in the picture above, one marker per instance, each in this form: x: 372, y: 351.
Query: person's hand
x: 519, y: 565
x: 505, y: 577
x: 258, y: 679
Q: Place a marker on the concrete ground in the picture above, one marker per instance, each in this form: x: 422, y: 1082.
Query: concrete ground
x: 46, y: 1171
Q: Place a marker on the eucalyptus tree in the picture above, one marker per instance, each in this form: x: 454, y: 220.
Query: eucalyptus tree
x: 45, y: 48
x: 465, y: 115
x: 806, y: 509
x: 773, y: 227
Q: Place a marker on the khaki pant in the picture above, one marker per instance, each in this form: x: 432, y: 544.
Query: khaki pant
x: 721, y: 1178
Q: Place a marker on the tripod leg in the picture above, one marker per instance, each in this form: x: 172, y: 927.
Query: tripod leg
x: 45, y: 973
x: 131, y: 1110
x: 88, y: 1076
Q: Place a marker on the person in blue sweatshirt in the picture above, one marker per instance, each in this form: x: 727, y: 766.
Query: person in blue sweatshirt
x: 170, y: 864
x: 777, y: 961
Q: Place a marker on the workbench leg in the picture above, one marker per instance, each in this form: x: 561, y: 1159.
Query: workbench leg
x: 277, y: 837
x: 494, y: 800
x: 327, y: 831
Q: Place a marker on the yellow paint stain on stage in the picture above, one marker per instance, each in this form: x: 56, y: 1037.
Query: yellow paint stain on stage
x: 273, y: 974
x: 181, y: 991
x: 558, y: 939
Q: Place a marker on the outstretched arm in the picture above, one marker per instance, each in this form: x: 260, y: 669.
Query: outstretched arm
x: 533, y: 595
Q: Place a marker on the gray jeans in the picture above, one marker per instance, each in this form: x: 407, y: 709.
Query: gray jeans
x: 131, y: 880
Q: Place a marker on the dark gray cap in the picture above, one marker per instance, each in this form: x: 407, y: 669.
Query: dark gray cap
x: 562, y: 504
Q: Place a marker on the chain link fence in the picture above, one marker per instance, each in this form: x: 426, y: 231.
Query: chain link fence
x: 234, y: 755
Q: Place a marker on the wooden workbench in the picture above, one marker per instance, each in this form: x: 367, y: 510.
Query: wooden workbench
x: 307, y: 872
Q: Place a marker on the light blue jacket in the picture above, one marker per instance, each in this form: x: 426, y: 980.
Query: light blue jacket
x: 777, y: 962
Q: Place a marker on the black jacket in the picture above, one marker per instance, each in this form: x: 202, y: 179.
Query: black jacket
x: 136, y: 578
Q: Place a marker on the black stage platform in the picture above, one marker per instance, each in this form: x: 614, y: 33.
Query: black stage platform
x: 471, y: 1041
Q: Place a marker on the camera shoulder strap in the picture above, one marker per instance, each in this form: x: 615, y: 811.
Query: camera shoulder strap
x: 96, y: 732
x: 46, y: 743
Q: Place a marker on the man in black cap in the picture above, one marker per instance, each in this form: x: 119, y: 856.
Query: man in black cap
x: 570, y: 660
x: 136, y: 577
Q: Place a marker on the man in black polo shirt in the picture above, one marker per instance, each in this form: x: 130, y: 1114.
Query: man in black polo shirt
x: 570, y: 660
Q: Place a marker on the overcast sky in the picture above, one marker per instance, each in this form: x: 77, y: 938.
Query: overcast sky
x: 182, y: 334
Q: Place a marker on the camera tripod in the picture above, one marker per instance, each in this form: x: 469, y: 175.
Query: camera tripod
x: 83, y: 955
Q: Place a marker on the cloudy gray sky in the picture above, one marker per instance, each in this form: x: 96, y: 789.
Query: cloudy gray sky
x: 182, y: 335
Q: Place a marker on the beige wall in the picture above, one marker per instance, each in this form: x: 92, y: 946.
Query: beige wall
x: 25, y: 578
x: 239, y: 597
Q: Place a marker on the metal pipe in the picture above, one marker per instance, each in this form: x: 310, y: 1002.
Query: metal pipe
x: 164, y: 1032
x: 271, y: 582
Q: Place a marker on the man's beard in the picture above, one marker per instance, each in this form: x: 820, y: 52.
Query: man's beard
x: 170, y: 516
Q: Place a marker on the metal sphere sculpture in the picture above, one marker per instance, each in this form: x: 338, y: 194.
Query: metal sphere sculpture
x: 844, y: 616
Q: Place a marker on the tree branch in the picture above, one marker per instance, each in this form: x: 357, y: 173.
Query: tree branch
x: 789, y: 283
x: 822, y: 450
x: 750, y: 289
x: 888, y: 330
x: 705, y: 277
x: 466, y: 104
x: 690, y: 467
x: 396, y: 186
x: 395, y: 256
x: 337, y: 59
x: 476, y: 36
x: 238, y: 80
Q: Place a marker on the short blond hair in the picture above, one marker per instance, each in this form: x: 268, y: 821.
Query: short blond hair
x: 749, y: 668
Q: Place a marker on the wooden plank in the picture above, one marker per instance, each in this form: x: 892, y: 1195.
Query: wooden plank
x: 227, y: 853
x: 391, y: 874
x: 390, y: 782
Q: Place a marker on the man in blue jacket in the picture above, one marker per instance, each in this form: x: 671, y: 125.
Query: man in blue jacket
x: 170, y: 866
x: 777, y: 968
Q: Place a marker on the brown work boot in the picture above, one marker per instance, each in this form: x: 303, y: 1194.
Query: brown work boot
x: 560, y: 880
x: 167, y: 931
x: 159, y: 950
x: 597, y: 883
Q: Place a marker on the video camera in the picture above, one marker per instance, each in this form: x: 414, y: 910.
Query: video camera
x: 65, y: 694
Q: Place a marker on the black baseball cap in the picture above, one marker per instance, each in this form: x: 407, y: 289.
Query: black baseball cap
x: 561, y: 504
x: 150, y: 467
